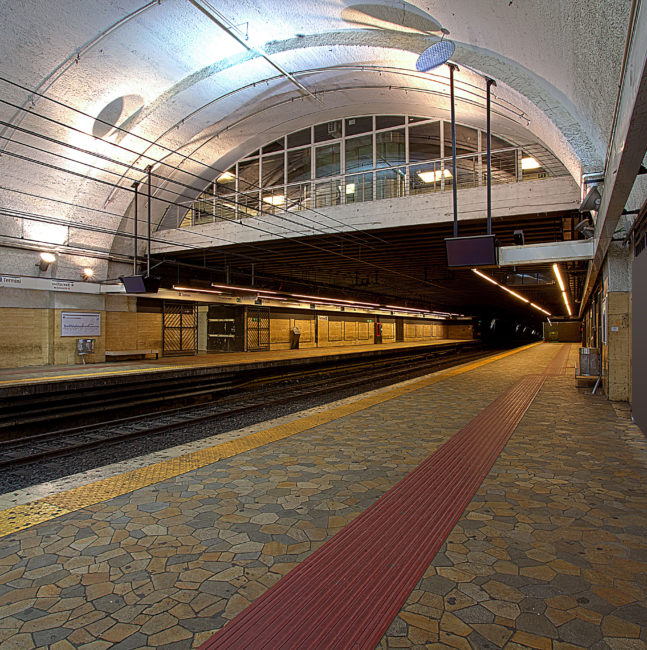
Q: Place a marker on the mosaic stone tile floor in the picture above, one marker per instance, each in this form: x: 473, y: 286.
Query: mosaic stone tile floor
x: 550, y: 552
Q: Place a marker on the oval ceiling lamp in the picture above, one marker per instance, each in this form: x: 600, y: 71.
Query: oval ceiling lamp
x: 436, y: 54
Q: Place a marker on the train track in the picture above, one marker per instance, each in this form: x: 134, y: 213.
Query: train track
x: 228, y: 399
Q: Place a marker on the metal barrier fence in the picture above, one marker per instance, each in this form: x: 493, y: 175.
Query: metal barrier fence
x: 219, y: 204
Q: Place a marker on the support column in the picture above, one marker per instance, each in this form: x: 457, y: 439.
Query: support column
x: 616, y: 325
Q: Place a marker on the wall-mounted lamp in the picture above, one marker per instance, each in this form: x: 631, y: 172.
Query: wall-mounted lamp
x: 45, y: 260
x: 87, y: 274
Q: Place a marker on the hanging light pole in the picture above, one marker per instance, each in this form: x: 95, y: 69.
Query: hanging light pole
x: 452, y: 68
x: 489, y: 83
x: 149, y: 169
x: 136, y: 188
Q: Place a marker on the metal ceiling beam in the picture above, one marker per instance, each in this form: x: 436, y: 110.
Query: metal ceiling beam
x: 627, y: 147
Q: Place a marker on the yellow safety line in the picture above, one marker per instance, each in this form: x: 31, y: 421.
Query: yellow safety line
x: 47, y: 508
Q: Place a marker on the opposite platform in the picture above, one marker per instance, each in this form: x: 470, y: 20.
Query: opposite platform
x: 550, y: 551
x: 32, y: 375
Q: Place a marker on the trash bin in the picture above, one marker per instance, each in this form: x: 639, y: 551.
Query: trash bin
x: 295, y: 334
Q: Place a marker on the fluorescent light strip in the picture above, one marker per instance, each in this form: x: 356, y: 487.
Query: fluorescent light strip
x: 232, y: 288
x: 486, y: 277
x: 196, y: 290
x: 516, y: 295
x: 337, y: 300
x: 532, y: 304
x: 512, y: 293
x: 568, y: 307
x: 559, y: 277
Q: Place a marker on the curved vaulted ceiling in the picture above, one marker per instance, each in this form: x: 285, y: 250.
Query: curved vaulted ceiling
x: 92, y: 92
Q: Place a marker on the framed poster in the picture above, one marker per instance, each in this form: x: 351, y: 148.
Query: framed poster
x: 77, y: 323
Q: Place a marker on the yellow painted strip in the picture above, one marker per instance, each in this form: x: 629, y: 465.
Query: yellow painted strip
x: 21, y: 517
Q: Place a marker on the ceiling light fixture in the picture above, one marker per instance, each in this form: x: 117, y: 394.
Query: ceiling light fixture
x: 431, y: 176
x: 275, y: 199
x: 45, y: 260
x: 225, y: 177
x: 529, y: 163
x: 436, y: 54
x: 512, y: 293
x: 87, y: 274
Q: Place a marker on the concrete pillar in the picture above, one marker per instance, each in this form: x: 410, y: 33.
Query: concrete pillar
x: 616, y: 325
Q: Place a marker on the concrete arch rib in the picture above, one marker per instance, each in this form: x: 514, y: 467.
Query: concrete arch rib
x: 585, y: 137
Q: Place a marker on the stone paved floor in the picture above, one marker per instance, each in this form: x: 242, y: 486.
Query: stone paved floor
x: 551, y: 550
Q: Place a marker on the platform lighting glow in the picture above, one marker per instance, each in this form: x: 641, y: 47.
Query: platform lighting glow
x: 350, y: 188
x: 196, y: 290
x: 88, y: 273
x: 430, y: 177
x: 225, y: 177
x: 275, y: 199
x: 513, y: 293
x: 48, y: 258
x: 529, y: 163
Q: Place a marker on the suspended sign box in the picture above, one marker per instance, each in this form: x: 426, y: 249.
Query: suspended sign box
x: 479, y: 250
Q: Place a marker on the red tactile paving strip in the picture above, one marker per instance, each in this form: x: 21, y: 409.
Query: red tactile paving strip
x: 558, y: 365
x: 346, y: 594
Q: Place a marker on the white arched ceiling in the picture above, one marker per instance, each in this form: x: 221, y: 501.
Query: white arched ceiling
x: 163, y: 71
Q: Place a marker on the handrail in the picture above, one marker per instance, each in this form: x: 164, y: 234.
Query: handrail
x: 227, y: 205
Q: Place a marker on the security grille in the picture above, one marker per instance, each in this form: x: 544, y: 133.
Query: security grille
x: 180, y: 328
x: 258, y: 329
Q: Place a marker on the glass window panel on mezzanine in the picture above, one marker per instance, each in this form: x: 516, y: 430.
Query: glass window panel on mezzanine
x: 426, y: 177
x: 248, y: 174
x: 272, y: 170
x: 424, y: 142
x: 466, y: 139
x: 328, y: 131
x: 390, y: 148
x: 327, y: 160
x: 358, y: 188
x: 277, y: 145
x: 359, y: 153
x: 357, y: 125
x: 328, y: 193
x: 503, y: 161
x: 388, y: 121
x: 298, y: 197
x: 390, y: 183
x: 299, y: 165
x: 300, y: 138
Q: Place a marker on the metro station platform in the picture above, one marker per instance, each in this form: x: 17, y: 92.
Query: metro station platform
x: 210, y: 361
x: 490, y: 505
